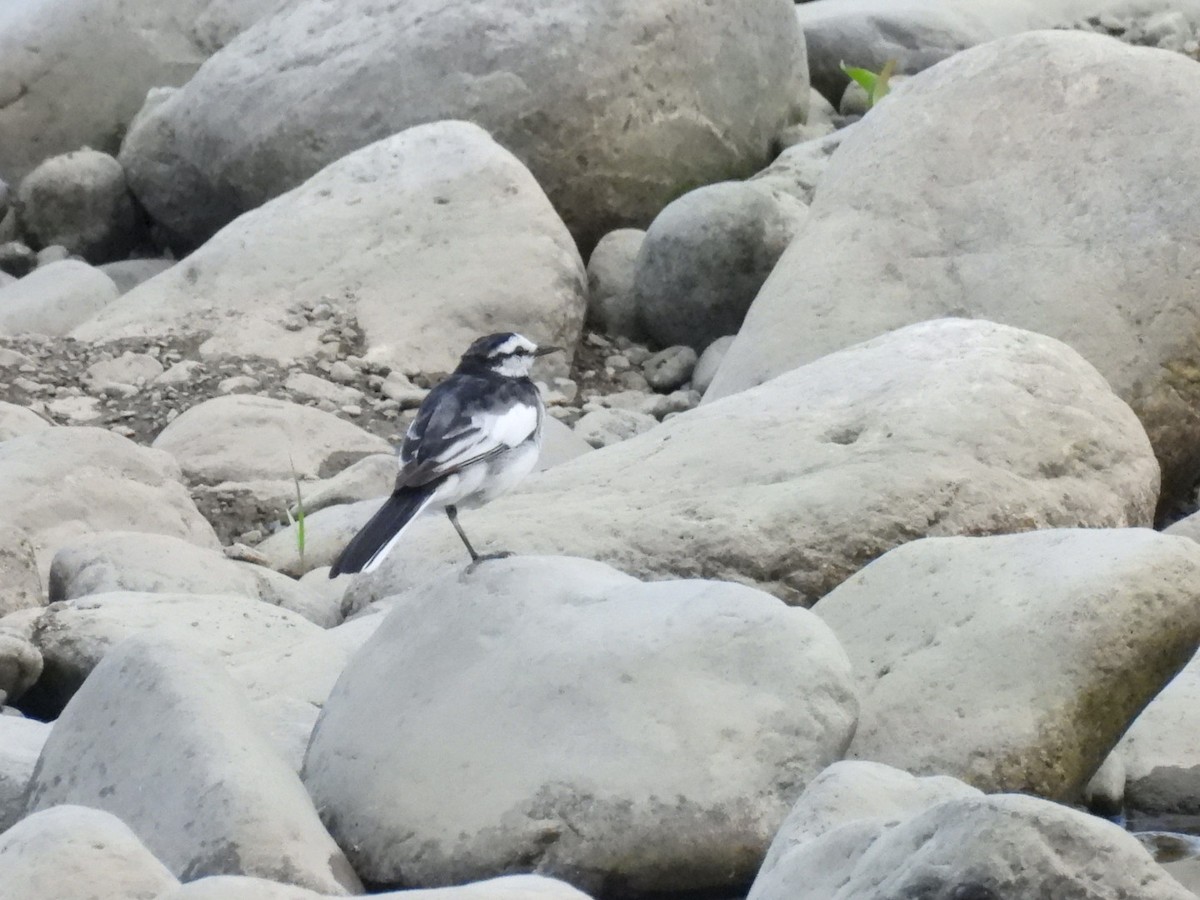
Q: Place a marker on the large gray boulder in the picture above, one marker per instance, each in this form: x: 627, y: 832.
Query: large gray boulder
x: 705, y: 257
x: 1158, y: 757
x: 243, y: 437
x: 79, y: 201
x: 54, y: 298
x: 508, y: 887
x: 21, y: 742
x: 71, y: 852
x: 556, y: 715
x: 942, y: 428
x: 159, y: 563
x: 942, y: 202
x: 74, y: 72
x: 985, y: 848
x: 617, y: 107
x: 208, y: 795
x: 288, y: 683
x: 74, y: 636
x: 20, y: 581
x: 63, y: 483
x: 17, y: 420
x: 428, y: 238
x: 850, y: 790
x: 1015, y: 662
x: 920, y: 33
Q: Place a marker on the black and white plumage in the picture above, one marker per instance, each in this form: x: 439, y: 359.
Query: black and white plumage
x: 476, y: 435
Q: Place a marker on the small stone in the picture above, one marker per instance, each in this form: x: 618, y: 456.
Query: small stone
x: 76, y: 409
x: 670, y: 369
x: 566, y: 387
x: 313, y: 388
x: 662, y: 405
x: 352, y: 409
x: 617, y: 362
x: 115, y: 389
x: 17, y: 259
x: 568, y: 415
x: 397, y: 387
x: 11, y: 359
x: 129, y: 368
x: 633, y: 381
x: 603, y: 427
x: 550, y: 397
x: 709, y: 362
x: 183, y: 372
x: 342, y: 372
x: 53, y: 253
x: 637, y: 354
x: 238, y: 384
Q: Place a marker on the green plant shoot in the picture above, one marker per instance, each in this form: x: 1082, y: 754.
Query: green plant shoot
x: 876, y: 84
x: 299, y: 520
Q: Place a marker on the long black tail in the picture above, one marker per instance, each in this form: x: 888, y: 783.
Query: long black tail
x: 367, y: 548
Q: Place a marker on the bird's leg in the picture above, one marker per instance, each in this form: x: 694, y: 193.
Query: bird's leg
x: 476, y: 558
x: 452, y: 515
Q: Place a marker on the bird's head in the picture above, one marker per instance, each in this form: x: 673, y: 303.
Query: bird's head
x: 506, y: 353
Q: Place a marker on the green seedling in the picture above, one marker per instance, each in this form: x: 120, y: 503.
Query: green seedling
x: 298, y: 521
x: 876, y: 84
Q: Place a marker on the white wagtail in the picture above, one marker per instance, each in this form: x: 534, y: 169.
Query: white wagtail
x: 475, y: 436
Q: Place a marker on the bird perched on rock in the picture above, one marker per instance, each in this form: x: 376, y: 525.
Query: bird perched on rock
x: 476, y: 435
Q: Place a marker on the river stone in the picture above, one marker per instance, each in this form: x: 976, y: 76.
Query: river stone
x: 21, y: 742
x: 63, y: 483
x: 799, y: 483
x: 850, y: 790
x: 75, y: 635
x: 1158, y: 757
x: 705, y: 257
x: 509, y: 887
x: 428, y: 238
x: 74, y: 853
x: 97, y: 59
x: 983, y: 848
x: 1015, y: 662
x: 55, y: 298
x: 287, y: 684
x: 80, y: 202
x: 617, y: 107
x: 18, y: 420
x: 129, y: 273
x: 596, y: 725
x: 612, y: 309
x: 158, y: 563
x: 20, y: 665
x: 244, y: 437
x: 20, y: 583
x: 1011, y: 240
x: 208, y: 794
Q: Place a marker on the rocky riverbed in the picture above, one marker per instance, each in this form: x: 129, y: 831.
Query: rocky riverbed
x: 860, y: 561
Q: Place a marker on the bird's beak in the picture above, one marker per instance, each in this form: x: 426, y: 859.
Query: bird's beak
x: 546, y: 351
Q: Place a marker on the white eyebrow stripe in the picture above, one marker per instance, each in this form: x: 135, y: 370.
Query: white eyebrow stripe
x: 512, y: 344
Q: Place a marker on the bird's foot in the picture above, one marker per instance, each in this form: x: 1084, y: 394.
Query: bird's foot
x: 503, y: 554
